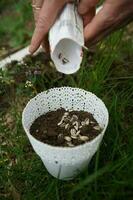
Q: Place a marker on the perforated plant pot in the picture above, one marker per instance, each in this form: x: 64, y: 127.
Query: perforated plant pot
x: 65, y: 162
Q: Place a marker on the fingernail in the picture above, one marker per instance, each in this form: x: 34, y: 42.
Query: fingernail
x: 31, y: 49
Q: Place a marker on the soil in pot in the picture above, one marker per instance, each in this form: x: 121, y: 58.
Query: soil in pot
x: 65, y: 128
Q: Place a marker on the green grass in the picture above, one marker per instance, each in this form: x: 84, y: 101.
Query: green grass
x: 16, y: 23
x: 109, y: 74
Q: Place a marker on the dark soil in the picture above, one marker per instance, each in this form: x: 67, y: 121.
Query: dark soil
x: 48, y: 129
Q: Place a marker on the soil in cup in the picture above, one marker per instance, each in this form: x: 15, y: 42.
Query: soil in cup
x: 65, y: 128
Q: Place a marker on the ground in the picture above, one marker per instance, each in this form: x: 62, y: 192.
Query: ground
x: 107, y: 71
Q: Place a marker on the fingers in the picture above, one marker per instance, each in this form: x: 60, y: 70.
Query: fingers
x: 36, y: 4
x: 100, y: 23
x: 45, y: 44
x: 47, y: 17
x: 86, y: 5
x: 89, y: 16
x: 109, y: 18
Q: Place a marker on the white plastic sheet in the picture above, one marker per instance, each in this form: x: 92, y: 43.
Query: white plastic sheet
x: 66, y: 40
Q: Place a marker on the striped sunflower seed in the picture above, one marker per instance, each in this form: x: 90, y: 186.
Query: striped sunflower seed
x: 97, y: 128
x: 66, y: 113
x: 87, y: 121
x: 78, y: 133
x: 76, y: 125
x: 83, y: 138
x: 73, y: 133
x: 70, y: 144
x: 67, y: 126
x: 62, y: 125
x: 67, y: 138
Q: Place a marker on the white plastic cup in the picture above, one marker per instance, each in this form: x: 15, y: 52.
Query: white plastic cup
x: 65, y: 162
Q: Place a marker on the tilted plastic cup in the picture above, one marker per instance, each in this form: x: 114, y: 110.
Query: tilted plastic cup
x: 65, y: 162
x: 66, y: 40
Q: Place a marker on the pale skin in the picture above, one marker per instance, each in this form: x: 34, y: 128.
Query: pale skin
x: 113, y: 15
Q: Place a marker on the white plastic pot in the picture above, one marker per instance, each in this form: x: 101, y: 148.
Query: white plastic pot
x: 65, y: 162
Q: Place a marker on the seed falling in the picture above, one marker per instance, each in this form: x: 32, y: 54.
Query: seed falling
x: 83, y: 138
x: 60, y: 123
x: 67, y: 138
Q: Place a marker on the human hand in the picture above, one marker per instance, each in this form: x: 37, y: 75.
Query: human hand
x: 113, y: 15
x: 45, y: 14
x: 37, y: 5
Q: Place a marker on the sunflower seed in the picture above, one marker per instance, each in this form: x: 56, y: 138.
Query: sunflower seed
x: 97, y: 128
x: 66, y: 113
x: 73, y: 118
x: 73, y: 131
x: 87, y: 121
x: 92, y: 122
x: 64, y: 61
x: 78, y: 133
x: 73, y: 134
x: 76, y: 128
x: 67, y: 138
x: 67, y: 126
x: 60, y: 55
x: 60, y: 123
x: 82, y: 123
x: 70, y: 144
x: 76, y: 125
x: 66, y: 120
x: 83, y: 138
